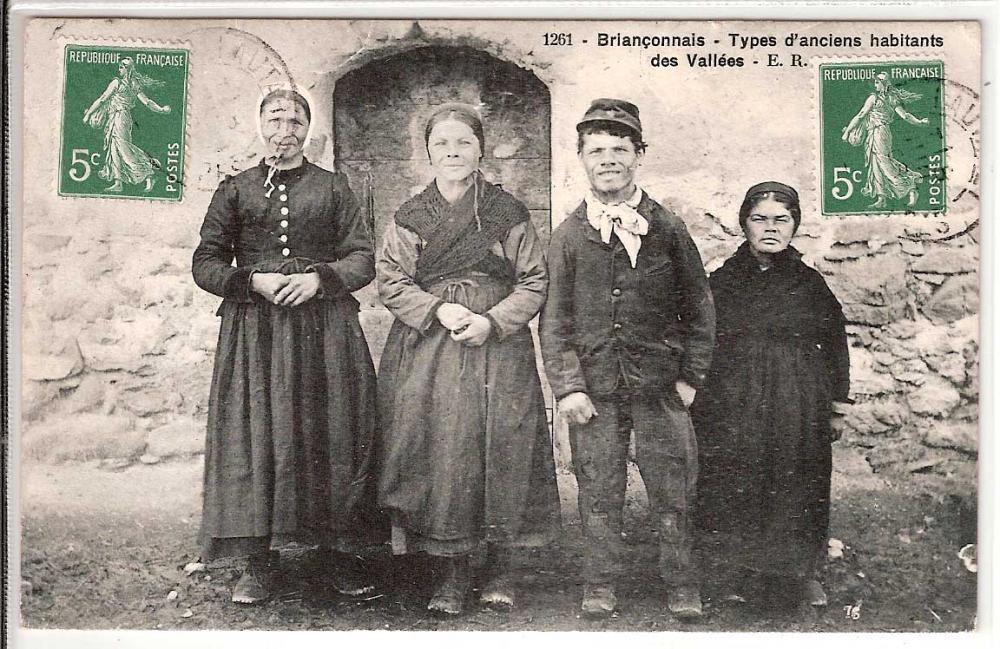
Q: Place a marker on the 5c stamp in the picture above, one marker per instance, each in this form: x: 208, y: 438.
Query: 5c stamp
x: 123, y: 122
x: 882, y: 137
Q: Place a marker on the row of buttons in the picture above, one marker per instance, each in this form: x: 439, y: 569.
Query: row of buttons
x: 284, y: 222
x: 616, y: 292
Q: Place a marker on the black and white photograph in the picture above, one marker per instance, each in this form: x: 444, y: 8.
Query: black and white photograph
x: 338, y: 322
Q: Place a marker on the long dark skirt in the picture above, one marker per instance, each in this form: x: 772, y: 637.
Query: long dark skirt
x: 291, y: 425
x: 466, y: 454
x: 764, y: 439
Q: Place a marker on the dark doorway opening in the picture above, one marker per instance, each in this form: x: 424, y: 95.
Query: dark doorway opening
x: 380, y: 110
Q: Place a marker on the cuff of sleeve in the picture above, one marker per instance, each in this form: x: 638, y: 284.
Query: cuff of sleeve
x: 695, y: 379
x: 330, y: 283
x: 568, y: 390
x: 431, y: 316
x: 237, y: 286
x: 494, y: 327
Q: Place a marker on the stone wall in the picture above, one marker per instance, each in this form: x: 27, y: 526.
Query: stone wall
x: 118, y: 342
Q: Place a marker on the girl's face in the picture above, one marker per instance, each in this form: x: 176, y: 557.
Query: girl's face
x: 454, y: 150
x: 769, y: 227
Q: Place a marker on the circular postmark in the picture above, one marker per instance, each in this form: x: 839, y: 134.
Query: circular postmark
x: 962, y: 114
x: 962, y: 124
x: 249, y: 53
x: 240, y: 68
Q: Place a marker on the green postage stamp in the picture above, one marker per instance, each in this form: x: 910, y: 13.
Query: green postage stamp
x: 123, y: 122
x: 882, y: 137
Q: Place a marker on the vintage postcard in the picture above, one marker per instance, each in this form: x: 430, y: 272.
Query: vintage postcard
x: 337, y: 324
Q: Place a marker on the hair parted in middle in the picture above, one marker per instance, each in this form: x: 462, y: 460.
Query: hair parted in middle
x: 464, y: 113
x: 775, y: 191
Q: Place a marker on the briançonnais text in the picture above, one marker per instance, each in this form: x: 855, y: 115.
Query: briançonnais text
x: 755, y: 43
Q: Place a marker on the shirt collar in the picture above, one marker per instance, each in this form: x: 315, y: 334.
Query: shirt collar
x: 632, y: 201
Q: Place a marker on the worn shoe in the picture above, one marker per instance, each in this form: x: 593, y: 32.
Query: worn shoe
x: 685, y: 603
x: 498, y: 592
x: 598, y: 601
x: 814, y: 594
x: 254, y: 584
x: 449, y: 599
x: 346, y: 572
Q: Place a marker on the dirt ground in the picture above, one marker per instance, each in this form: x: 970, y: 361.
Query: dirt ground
x: 104, y: 550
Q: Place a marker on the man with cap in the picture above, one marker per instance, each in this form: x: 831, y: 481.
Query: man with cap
x: 627, y: 336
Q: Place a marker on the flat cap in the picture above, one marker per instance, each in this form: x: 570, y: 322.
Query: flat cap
x: 612, y: 110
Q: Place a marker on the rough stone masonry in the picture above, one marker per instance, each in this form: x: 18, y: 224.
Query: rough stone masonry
x: 118, y: 342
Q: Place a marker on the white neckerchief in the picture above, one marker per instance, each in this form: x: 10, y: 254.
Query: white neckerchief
x: 622, y: 219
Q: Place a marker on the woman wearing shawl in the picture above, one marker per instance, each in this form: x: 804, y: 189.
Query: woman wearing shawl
x: 466, y: 456
x: 886, y: 177
x: 763, y: 417
x: 112, y: 111
x: 291, y: 415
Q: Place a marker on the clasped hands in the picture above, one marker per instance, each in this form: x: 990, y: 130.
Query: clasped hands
x: 465, y: 326
x: 286, y: 290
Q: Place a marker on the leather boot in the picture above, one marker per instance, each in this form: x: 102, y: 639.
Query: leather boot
x: 599, y: 601
x: 347, y: 573
x: 499, y: 589
x: 449, y: 598
x: 676, y: 567
x: 254, y: 585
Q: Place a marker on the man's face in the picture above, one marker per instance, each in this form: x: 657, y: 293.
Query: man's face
x: 610, y: 162
x: 284, y: 126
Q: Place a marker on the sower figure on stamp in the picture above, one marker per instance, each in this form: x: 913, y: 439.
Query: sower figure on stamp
x: 627, y: 337
x: 886, y: 176
x: 291, y: 412
x: 112, y: 111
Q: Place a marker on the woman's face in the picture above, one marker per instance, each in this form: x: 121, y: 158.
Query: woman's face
x: 284, y: 126
x: 879, y: 85
x: 454, y: 150
x: 769, y: 227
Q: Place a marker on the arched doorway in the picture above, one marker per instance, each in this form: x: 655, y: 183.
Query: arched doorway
x: 380, y: 110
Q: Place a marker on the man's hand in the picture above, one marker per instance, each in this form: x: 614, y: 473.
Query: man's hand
x: 301, y: 288
x: 475, y: 331
x: 577, y: 408
x: 837, y: 420
x: 686, y: 393
x: 268, y: 284
x: 453, y: 316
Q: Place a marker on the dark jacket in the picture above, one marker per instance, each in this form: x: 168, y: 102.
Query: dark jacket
x: 608, y: 327
x: 318, y: 226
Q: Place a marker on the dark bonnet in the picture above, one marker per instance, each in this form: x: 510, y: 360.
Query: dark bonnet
x: 788, y: 194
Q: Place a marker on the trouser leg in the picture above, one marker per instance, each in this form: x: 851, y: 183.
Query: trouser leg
x: 667, y: 456
x: 600, y: 449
